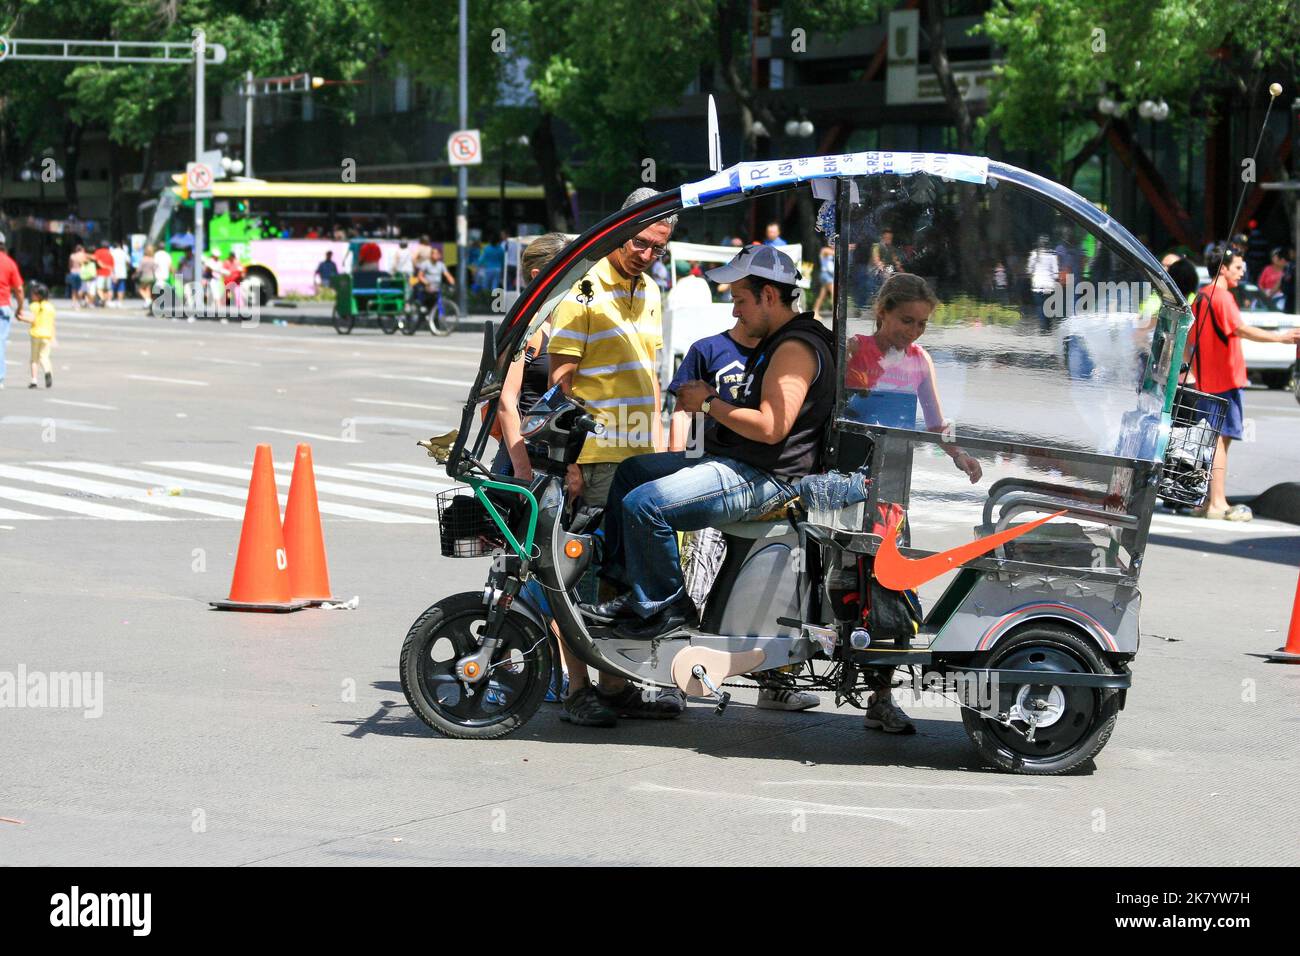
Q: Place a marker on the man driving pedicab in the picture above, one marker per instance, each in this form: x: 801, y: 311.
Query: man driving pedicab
x: 764, y: 441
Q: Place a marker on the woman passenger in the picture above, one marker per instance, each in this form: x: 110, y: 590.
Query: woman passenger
x: 528, y: 377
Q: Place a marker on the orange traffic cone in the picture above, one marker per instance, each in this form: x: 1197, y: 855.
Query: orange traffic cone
x: 261, y: 581
x: 309, y: 576
x: 1290, y: 654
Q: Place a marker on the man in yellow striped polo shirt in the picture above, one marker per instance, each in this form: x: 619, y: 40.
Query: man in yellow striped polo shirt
x: 604, y: 348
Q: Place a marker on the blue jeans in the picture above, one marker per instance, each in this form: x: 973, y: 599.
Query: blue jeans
x: 6, y: 316
x: 654, y: 496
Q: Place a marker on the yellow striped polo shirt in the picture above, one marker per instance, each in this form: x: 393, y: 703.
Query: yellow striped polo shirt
x: 613, y: 326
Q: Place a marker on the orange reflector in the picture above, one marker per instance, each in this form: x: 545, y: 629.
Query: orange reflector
x: 573, y: 548
x: 471, y: 669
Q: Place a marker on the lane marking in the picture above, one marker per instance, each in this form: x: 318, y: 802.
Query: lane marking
x: 64, y: 401
x: 76, y: 506
x: 315, y: 435
x: 427, y: 379
x: 352, y: 474
x: 334, y: 487
x: 395, y: 466
x: 222, y: 361
x: 379, y: 401
x: 230, y: 491
x: 67, y: 424
x: 21, y: 516
x: 111, y: 490
x: 168, y: 381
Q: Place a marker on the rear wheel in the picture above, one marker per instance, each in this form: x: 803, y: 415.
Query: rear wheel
x: 1276, y: 380
x: 342, y: 323
x: 504, y: 700
x: 387, y: 322
x: 1074, y: 723
x: 444, y: 319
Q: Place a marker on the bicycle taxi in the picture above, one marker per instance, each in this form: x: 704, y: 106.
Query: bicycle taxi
x: 1028, y: 577
x: 366, y: 292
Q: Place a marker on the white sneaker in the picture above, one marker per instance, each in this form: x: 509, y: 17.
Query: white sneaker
x: 786, y: 698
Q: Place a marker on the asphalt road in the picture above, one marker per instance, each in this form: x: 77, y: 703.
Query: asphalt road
x: 250, y: 739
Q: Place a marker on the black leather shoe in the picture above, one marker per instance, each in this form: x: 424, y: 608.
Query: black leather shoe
x: 672, y: 618
x: 607, y: 612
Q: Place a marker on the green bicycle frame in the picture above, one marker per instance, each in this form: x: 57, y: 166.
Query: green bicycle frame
x: 478, y: 484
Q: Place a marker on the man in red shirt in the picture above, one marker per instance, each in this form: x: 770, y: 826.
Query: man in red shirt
x: 1219, y: 366
x: 11, y: 300
x: 103, y: 274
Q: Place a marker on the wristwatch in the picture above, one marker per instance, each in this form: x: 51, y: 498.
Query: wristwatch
x: 704, y: 405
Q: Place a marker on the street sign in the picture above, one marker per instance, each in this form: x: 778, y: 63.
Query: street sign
x: 198, y: 180
x: 464, y: 148
x: 4, y: 47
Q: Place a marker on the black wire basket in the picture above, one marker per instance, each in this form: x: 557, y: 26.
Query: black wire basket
x: 465, y: 529
x: 1198, y: 419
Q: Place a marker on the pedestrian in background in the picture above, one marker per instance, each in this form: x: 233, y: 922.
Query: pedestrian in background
x: 41, y: 319
x: 103, y: 275
x: 121, y: 268
x: 89, y: 281
x: 75, y: 262
x: 1220, y: 367
x: 144, y: 276
x: 773, y: 235
x: 162, y: 270
x: 826, y: 277
x: 11, y: 300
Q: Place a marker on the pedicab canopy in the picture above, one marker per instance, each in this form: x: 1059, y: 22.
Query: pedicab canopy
x: 1051, y: 346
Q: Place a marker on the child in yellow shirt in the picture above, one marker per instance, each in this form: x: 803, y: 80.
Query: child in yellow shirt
x: 41, y: 317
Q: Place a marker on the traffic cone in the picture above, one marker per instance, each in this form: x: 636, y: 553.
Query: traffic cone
x: 309, y: 576
x: 1290, y: 653
x: 261, y: 581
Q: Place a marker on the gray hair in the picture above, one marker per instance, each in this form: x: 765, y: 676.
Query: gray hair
x: 641, y: 195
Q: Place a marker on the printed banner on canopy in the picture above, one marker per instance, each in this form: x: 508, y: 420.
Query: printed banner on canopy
x: 744, y: 177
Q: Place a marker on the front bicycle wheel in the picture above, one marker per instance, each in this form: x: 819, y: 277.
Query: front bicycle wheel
x: 444, y: 319
x: 342, y: 323
x: 498, y: 704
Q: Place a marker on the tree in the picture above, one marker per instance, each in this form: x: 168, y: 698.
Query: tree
x: 50, y: 105
x: 1060, y: 57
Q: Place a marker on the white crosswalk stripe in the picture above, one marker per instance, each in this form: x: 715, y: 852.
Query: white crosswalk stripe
x: 188, y: 484
x: 165, y: 491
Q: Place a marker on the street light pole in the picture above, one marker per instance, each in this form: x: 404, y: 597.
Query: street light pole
x: 248, y: 124
x: 200, y: 42
x: 462, y: 183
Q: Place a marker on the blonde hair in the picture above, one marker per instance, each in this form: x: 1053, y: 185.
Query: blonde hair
x: 539, y: 252
x: 901, y: 288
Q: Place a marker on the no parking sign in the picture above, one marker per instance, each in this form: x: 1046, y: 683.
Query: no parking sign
x: 464, y: 148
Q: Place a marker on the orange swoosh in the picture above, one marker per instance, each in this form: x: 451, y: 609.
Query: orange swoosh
x: 901, y: 574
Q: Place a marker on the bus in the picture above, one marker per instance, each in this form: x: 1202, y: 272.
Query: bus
x: 280, y: 231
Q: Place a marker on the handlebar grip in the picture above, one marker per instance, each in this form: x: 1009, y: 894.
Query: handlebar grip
x: 587, y: 423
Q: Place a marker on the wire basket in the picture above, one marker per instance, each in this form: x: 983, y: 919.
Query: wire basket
x: 1198, y: 418
x: 465, y: 529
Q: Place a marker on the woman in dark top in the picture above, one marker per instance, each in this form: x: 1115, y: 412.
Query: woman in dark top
x: 528, y: 376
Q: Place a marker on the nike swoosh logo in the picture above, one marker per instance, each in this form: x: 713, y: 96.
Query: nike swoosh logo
x: 902, y: 574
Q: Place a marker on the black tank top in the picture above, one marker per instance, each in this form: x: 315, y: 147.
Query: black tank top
x: 801, y: 451
x: 536, y: 380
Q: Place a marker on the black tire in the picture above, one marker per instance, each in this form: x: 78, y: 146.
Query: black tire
x: 1276, y: 380
x: 387, y: 322
x: 446, y: 323
x: 438, y: 698
x: 411, y: 319
x: 342, y: 323
x: 1087, y: 715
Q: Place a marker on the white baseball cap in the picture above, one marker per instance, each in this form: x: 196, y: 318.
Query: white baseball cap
x: 767, y: 262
